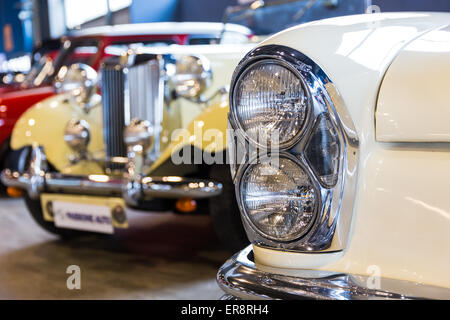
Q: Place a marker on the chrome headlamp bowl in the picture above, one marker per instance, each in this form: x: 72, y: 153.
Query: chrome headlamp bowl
x: 190, y: 76
x: 77, y: 135
x: 306, y: 204
x: 79, y: 79
x: 138, y: 133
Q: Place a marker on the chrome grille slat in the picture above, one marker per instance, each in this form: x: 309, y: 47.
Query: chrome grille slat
x: 113, y: 80
x: 146, y: 96
x: 135, y: 91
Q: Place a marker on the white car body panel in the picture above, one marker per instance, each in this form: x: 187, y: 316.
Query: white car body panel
x: 401, y: 220
x: 414, y: 102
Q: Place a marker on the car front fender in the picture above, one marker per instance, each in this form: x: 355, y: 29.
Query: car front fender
x: 207, y: 132
x: 43, y: 125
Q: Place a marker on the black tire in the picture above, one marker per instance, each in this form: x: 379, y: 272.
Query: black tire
x: 225, y: 212
x: 18, y: 161
x: 4, y: 158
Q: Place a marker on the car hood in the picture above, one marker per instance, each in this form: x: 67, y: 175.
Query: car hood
x: 356, y: 51
x: 414, y: 99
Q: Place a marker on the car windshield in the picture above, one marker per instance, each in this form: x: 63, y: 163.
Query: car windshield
x: 268, y: 17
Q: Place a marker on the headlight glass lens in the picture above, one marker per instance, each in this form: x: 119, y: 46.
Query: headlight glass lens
x: 138, y: 132
x: 279, y: 200
x: 77, y: 135
x: 270, y: 99
x: 191, y: 76
x: 78, y: 79
x: 323, y: 151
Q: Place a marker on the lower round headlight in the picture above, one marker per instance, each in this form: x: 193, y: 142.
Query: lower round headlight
x: 279, y: 200
x: 77, y: 135
x: 270, y: 99
x: 138, y: 132
x: 79, y: 79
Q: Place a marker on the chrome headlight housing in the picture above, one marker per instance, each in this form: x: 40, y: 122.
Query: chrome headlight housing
x: 138, y: 133
x: 296, y: 184
x: 77, y: 135
x: 190, y: 75
x: 79, y: 79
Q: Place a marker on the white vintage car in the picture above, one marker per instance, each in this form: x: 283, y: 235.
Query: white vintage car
x: 357, y: 206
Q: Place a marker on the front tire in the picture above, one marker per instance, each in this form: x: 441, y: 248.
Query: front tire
x: 35, y: 209
x: 18, y: 160
x: 225, y: 212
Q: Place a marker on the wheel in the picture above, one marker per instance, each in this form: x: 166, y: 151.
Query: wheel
x: 18, y: 160
x: 5, y: 152
x: 225, y: 212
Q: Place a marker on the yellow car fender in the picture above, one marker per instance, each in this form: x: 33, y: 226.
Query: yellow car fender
x: 208, y: 132
x: 44, y: 124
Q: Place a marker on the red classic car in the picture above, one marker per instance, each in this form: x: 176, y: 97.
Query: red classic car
x: 90, y: 47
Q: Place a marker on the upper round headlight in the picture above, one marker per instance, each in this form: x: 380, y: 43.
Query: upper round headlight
x: 79, y: 79
x: 77, y: 135
x: 268, y: 99
x: 280, y: 200
x: 138, y: 132
x: 191, y: 76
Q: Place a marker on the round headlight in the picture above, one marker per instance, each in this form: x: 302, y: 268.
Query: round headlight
x: 268, y: 99
x: 279, y: 200
x: 77, y: 135
x: 191, y: 76
x: 138, y: 132
x: 78, y: 79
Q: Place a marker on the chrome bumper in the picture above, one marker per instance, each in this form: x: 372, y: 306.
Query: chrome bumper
x: 37, y: 181
x: 240, y: 278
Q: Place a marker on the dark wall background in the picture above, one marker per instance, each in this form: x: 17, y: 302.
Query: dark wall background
x: 203, y: 10
x: 212, y: 10
x: 21, y: 29
x: 178, y: 10
x: 412, y: 5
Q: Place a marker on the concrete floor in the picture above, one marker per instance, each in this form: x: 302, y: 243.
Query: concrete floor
x: 161, y: 256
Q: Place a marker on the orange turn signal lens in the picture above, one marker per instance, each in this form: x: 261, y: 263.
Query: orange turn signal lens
x: 14, y: 192
x: 186, y: 205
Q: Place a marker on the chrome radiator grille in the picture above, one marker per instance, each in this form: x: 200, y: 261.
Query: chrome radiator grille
x: 143, y: 85
x: 113, y: 103
x: 135, y: 91
x: 146, y: 94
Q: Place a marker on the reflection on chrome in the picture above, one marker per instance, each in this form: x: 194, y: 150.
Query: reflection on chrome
x: 38, y: 180
x: 239, y: 277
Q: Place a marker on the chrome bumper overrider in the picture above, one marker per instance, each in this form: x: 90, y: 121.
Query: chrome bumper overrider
x: 37, y: 181
x: 240, y: 278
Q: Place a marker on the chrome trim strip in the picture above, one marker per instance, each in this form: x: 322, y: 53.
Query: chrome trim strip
x: 241, y: 278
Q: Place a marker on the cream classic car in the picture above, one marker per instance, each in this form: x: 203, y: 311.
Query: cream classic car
x: 353, y: 203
